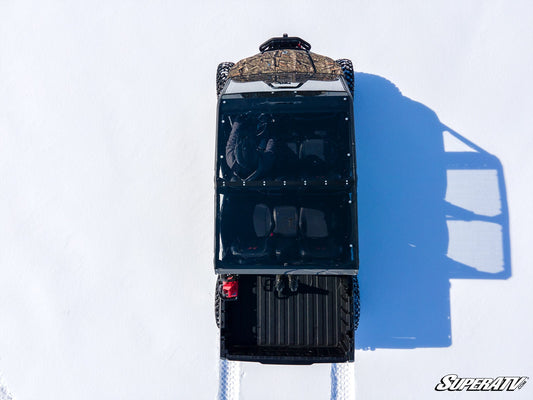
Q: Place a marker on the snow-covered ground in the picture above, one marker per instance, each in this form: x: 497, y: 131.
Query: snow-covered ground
x: 107, y: 122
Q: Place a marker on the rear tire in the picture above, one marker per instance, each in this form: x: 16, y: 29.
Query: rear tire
x: 218, y: 302
x: 347, y: 70
x: 356, y: 303
x: 222, y: 75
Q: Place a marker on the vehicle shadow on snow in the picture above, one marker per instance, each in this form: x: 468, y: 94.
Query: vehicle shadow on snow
x: 432, y: 207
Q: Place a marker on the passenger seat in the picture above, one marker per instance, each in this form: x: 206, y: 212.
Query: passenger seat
x: 285, y: 230
x: 316, y: 239
x: 255, y: 246
x: 313, y: 157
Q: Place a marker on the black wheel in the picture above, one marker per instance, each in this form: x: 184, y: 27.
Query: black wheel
x: 222, y: 75
x: 218, y: 302
x: 347, y: 69
x: 356, y: 303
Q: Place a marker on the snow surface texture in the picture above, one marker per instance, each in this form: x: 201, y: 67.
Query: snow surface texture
x: 4, y: 393
x: 229, y: 381
x: 342, y: 381
x: 107, y: 127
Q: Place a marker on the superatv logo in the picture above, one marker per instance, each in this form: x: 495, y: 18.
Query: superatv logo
x: 452, y: 382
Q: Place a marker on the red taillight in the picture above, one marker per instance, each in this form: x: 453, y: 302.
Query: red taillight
x: 230, y: 288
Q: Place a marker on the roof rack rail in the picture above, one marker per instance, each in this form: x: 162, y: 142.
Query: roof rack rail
x: 285, y: 42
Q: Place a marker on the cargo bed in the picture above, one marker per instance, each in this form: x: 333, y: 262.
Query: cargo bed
x: 309, y: 326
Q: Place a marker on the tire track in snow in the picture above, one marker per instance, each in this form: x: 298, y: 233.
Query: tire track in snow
x: 4, y: 393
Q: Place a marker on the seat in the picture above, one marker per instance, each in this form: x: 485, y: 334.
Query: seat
x: 286, y: 161
x: 319, y: 158
x: 252, y: 245
x: 313, y: 160
x: 293, y: 148
x: 313, y: 148
x: 317, y: 242
x: 285, y: 231
x: 262, y: 220
x: 313, y: 223
x: 286, y: 221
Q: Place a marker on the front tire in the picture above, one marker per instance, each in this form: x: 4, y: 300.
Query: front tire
x: 222, y: 75
x: 347, y: 70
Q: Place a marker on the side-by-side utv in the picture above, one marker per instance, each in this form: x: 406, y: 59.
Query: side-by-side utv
x: 286, y: 246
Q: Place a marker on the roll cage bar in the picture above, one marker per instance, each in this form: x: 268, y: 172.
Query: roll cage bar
x: 285, y: 42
